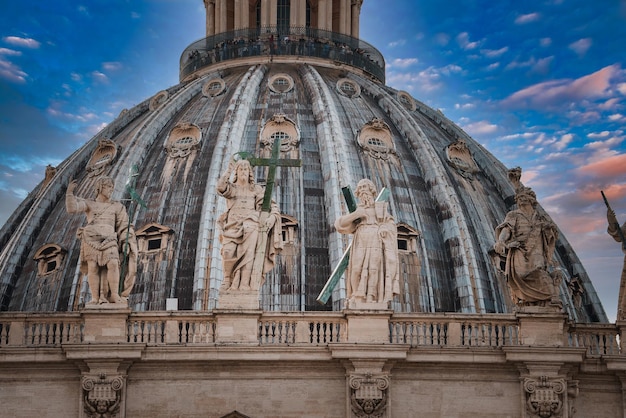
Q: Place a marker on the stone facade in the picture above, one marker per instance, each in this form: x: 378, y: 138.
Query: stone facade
x: 356, y: 363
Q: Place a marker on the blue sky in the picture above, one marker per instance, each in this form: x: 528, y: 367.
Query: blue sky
x: 540, y: 83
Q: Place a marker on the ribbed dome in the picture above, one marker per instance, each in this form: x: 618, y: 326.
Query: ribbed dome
x: 447, y: 193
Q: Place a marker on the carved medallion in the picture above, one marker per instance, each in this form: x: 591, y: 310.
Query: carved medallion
x: 184, y: 138
x: 460, y: 157
x: 158, y: 99
x: 376, y: 140
x: 103, y: 157
x: 280, y: 126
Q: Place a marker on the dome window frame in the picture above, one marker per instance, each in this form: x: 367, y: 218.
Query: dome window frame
x: 214, y: 87
x: 281, y: 79
x: 49, y: 259
x: 353, y: 92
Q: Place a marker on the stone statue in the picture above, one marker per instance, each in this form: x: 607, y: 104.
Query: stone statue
x: 241, y: 227
x: 618, y: 234
x: 372, y: 274
x: 527, y: 239
x: 105, y: 239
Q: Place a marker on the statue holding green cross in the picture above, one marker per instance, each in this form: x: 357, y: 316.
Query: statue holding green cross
x: 250, y: 229
x: 371, y: 261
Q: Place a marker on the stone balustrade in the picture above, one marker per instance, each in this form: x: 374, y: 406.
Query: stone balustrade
x: 287, y: 328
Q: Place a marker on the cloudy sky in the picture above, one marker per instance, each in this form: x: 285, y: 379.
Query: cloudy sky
x: 540, y: 83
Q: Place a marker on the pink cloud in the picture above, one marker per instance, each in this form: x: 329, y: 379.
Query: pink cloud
x: 553, y: 92
x: 614, y: 165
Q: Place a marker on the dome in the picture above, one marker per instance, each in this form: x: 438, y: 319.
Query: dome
x: 321, y: 90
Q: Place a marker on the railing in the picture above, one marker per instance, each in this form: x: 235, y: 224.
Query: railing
x: 454, y: 330
x: 298, y: 328
x: 41, y: 329
x: 276, y: 41
x: 302, y: 328
x: 598, y: 339
x: 175, y: 328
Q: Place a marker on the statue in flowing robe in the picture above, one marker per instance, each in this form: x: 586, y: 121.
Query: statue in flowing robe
x: 614, y: 231
x: 105, y: 240
x: 241, y: 225
x: 527, y: 239
x: 372, y: 274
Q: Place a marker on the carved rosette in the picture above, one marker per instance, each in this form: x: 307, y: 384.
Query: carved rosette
x: 102, y: 397
x: 544, y: 397
x: 369, y: 395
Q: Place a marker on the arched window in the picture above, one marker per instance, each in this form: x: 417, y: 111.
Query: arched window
x: 308, y: 14
x: 257, y: 11
x: 282, y: 16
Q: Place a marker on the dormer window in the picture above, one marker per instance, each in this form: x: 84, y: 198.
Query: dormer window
x: 49, y: 259
x: 407, y: 238
x: 153, y: 238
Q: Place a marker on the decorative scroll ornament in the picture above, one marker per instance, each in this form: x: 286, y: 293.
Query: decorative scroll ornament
x: 103, y: 157
x: 460, y: 157
x: 544, y: 397
x: 369, y: 395
x: 102, y: 396
x: 158, y: 99
x: 183, y: 140
x: 375, y: 139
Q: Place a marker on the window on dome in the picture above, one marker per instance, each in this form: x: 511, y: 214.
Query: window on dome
x: 153, y: 238
x: 282, y: 15
x: 375, y: 142
x: 185, y: 140
x: 49, y: 259
x: 280, y: 135
x: 154, y: 244
x: 215, y: 86
x: 281, y: 84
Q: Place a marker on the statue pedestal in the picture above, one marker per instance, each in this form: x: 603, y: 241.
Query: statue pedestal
x: 368, y: 306
x: 238, y: 299
x: 368, y: 326
x: 105, y: 323
x: 541, y: 326
x: 237, y: 326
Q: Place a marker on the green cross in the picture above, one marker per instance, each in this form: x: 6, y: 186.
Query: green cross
x: 343, y: 262
x: 273, y: 162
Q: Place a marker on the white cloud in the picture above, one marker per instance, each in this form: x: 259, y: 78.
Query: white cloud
x: 111, y: 66
x: 22, y: 42
x: 621, y: 87
x: 493, y: 53
x: 464, y: 42
x: 11, y: 72
x: 394, y: 44
x: 581, y: 46
x: 442, y: 39
x: 402, y: 62
x: 562, y: 143
x: 493, y: 66
x: 480, y: 128
x: 99, y: 76
x: 527, y: 18
x: 545, y: 42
